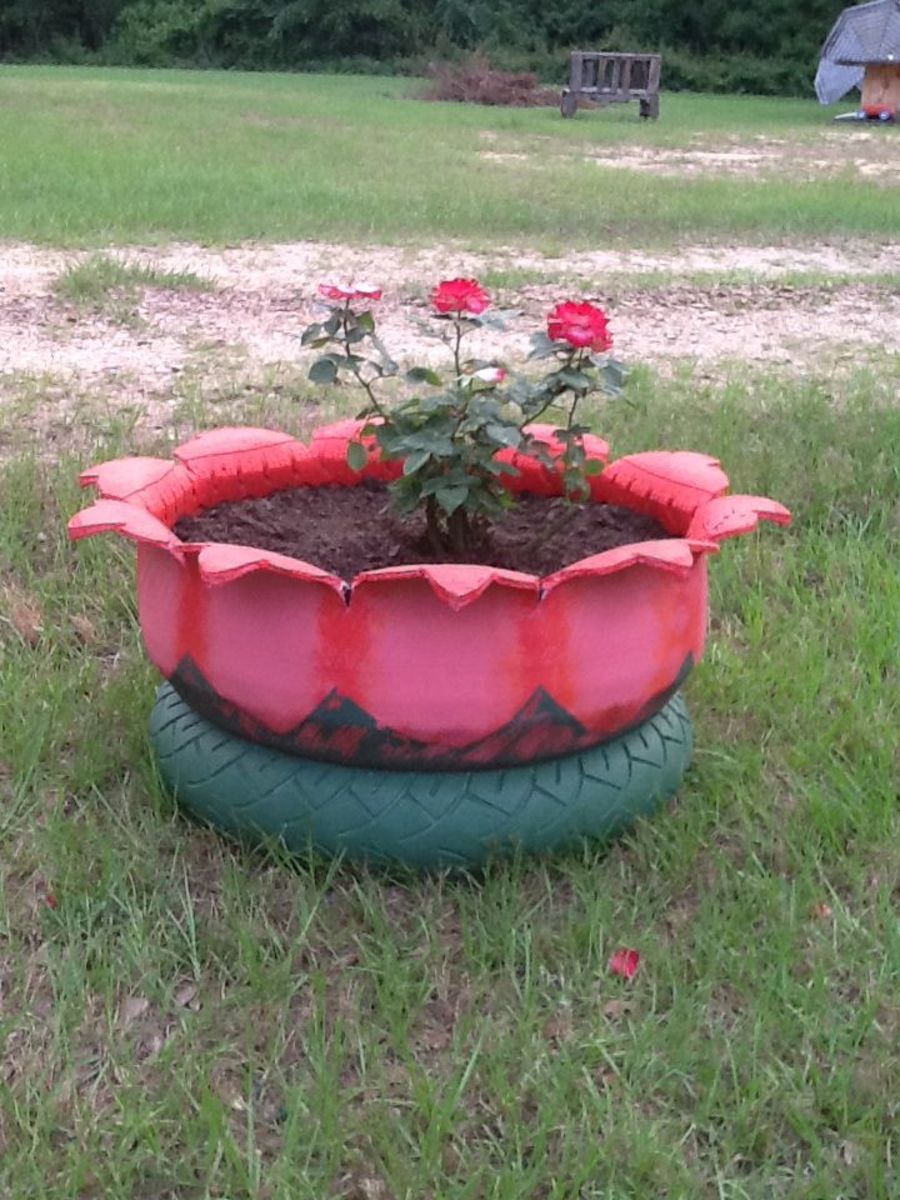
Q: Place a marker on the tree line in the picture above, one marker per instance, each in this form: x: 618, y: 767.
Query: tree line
x: 765, y: 46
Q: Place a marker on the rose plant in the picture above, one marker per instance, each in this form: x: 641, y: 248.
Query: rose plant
x: 452, y: 437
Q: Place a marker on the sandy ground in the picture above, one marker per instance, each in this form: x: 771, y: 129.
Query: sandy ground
x: 263, y: 295
x: 850, y: 152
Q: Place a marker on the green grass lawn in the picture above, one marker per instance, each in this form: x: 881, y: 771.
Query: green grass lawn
x: 95, y: 156
x: 180, y: 1018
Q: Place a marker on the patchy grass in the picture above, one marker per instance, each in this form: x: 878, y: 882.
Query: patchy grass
x: 183, y: 1018
x: 90, y: 282
x: 113, y: 286
x: 101, y: 156
x: 510, y: 279
x: 618, y: 284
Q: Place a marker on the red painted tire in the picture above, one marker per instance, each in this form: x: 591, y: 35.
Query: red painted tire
x: 287, y: 654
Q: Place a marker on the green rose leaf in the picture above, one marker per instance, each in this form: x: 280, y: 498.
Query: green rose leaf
x: 614, y: 375
x: 493, y: 320
x: 450, y: 498
x: 576, y: 380
x: 506, y: 435
x: 423, y: 375
x: 415, y: 461
x: 357, y: 456
x: 542, y: 346
x: 323, y: 371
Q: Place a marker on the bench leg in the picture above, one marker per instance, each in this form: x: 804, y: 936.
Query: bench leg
x: 568, y: 105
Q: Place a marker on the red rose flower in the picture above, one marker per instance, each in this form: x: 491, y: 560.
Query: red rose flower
x: 580, y: 325
x: 350, y: 291
x: 625, y: 963
x: 460, y: 295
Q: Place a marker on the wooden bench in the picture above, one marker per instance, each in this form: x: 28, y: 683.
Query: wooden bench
x: 612, y: 79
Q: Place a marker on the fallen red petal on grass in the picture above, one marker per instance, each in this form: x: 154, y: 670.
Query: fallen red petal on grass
x: 51, y: 901
x: 625, y: 963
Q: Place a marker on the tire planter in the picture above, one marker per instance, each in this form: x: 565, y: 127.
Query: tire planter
x: 426, y: 819
x: 447, y: 671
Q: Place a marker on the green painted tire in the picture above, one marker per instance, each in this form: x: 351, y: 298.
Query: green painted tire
x: 421, y: 818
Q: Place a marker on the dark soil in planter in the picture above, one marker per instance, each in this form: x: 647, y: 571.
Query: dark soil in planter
x: 351, y: 529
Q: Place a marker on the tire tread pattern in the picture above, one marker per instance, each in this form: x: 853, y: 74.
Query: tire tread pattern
x: 422, y: 818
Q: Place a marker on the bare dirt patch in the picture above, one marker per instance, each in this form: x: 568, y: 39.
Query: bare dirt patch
x: 265, y: 294
x: 874, y: 154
